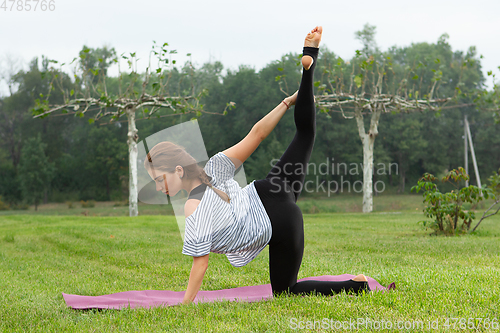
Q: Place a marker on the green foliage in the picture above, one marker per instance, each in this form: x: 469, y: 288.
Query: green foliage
x: 3, y: 205
x: 105, y: 159
x: 9, y: 183
x: 446, y: 208
x: 87, y: 204
x: 20, y: 206
x: 35, y: 172
x: 91, y: 166
x: 121, y: 203
x: 495, y: 183
x: 367, y: 38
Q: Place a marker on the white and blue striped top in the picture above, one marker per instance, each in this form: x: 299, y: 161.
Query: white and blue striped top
x: 240, y: 229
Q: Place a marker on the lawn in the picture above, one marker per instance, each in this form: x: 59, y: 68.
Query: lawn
x: 437, y: 278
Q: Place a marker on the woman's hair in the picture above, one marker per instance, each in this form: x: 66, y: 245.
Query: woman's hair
x: 165, y: 156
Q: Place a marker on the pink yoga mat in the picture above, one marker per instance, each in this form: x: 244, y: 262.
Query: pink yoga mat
x: 154, y: 298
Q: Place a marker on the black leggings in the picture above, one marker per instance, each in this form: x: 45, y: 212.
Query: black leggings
x: 279, y: 192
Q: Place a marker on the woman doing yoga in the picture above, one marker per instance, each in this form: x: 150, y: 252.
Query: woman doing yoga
x: 241, y: 222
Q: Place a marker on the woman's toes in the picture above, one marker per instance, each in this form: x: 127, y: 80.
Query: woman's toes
x: 314, y: 37
x: 318, y: 29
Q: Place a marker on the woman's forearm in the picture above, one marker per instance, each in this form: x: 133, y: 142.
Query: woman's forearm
x: 200, y: 265
x: 266, y: 125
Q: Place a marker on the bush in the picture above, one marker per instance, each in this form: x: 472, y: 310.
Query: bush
x: 3, y: 205
x: 63, y: 196
x: 87, y: 204
x: 20, y: 206
x: 116, y: 195
x: 447, y: 208
x: 10, y: 188
x: 121, y: 203
x: 70, y: 204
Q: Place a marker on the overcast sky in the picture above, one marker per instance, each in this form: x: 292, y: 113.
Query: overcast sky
x: 243, y: 32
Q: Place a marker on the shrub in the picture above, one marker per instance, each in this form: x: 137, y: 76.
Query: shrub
x: 447, y: 208
x: 121, y: 203
x: 20, y: 206
x: 3, y: 205
x: 495, y: 188
x: 70, y: 204
x: 87, y: 204
x: 63, y: 196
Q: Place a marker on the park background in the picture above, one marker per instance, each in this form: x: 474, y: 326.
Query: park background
x: 89, y: 158
x: 101, y: 250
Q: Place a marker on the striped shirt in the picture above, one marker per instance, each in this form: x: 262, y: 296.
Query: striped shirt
x: 240, y: 229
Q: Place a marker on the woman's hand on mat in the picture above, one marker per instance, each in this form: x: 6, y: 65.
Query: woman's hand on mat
x: 200, y: 265
x: 290, y: 100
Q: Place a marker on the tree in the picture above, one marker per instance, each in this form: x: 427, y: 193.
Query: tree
x: 36, y: 172
x: 162, y: 88
x: 104, y: 155
x: 494, y: 188
x: 9, y: 115
x: 405, y: 142
x: 399, y: 80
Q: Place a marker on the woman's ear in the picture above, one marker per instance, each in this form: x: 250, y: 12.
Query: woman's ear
x: 180, y: 171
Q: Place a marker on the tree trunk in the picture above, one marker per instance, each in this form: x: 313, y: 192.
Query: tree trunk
x: 368, y: 173
x: 403, y: 174
x: 108, y: 191
x: 368, y: 140
x: 403, y: 181
x: 132, y: 161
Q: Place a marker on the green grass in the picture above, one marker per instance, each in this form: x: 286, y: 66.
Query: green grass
x: 436, y: 277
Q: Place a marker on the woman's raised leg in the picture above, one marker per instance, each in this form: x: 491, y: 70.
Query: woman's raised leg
x: 292, y: 165
x: 287, y: 242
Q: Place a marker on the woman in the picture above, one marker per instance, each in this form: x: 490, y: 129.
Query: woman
x: 240, y: 222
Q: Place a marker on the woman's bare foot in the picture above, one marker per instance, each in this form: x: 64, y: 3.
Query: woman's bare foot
x: 312, y: 40
x: 360, y: 278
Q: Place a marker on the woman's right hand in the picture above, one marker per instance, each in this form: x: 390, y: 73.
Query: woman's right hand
x: 290, y: 100
x: 200, y: 265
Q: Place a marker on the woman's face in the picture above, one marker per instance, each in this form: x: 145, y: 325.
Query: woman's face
x: 166, y: 182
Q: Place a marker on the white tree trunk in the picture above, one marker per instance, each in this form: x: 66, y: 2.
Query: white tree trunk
x: 368, y: 173
x: 132, y: 162
x: 368, y: 140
